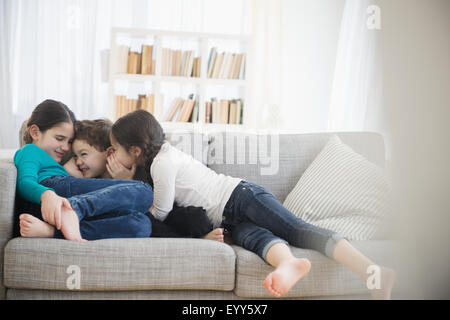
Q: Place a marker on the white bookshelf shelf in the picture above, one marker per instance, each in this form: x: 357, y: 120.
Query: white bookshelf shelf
x: 204, y: 85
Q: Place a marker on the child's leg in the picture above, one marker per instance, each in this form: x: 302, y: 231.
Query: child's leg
x: 130, y: 225
x: 121, y: 197
x: 32, y: 227
x: 70, y: 186
x: 288, y: 269
x: 275, y: 251
x: 216, y: 235
x: 349, y: 256
x: 262, y: 208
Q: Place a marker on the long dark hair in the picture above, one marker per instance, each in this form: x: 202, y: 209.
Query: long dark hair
x: 46, y: 115
x: 140, y: 128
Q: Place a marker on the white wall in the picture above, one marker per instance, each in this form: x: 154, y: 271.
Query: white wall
x: 416, y: 90
x: 309, y: 61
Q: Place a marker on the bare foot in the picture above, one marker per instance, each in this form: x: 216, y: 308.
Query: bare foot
x: 70, y: 226
x: 286, y: 275
x: 216, y: 234
x: 387, y: 280
x: 32, y: 227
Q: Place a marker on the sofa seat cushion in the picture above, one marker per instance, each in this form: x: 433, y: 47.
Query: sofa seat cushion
x: 119, y: 264
x: 326, y: 277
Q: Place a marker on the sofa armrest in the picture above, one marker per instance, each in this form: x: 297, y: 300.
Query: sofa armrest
x: 8, y: 174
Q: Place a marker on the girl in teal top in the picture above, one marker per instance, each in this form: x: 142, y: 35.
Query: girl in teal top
x: 80, y: 209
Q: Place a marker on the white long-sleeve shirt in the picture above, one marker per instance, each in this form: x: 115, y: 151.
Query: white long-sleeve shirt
x: 178, y: 177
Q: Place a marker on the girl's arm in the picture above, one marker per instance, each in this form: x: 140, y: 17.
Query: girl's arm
x: 28, y: 166
x: 163, y: 175
x: 72, y: 168
x: 118, y: 171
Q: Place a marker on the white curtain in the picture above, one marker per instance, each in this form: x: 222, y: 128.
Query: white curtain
x: 310, y: 34
x: 355, y: 103
x: 315, y: 64
x: 7, y: 34
x: 265, y: 66
x: 54, y: 48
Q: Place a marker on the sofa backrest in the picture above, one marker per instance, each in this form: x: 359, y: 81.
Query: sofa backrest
x: 277, y: 162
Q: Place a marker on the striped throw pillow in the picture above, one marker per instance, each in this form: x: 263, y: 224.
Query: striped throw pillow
x: 342, y: 191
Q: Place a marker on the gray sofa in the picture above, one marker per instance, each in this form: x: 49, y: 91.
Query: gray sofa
x: 159, y: 268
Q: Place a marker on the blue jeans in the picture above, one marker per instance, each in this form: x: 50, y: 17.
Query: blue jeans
x: 106, y: 208
x: 256, y: 221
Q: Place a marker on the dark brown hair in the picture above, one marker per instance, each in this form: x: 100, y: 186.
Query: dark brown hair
x: 140, y: 128
x: 94, y: 132
x: 46, y: 115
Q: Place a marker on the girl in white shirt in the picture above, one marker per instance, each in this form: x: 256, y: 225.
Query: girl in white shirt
x: 252, y: 215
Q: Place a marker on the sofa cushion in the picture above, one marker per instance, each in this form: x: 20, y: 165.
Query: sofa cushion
x: 326, y: 277
x: 342, y: 191
x: 277, y: 162
x: 119, y: 264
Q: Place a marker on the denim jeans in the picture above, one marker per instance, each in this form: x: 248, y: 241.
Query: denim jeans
x: 106, y: 208
x: 256, y: 221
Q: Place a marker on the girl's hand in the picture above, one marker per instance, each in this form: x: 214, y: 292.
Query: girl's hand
x: 51, y: 205
x: 72, y: 169
x: 118, y: 170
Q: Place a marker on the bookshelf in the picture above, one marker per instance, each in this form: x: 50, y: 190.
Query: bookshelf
x: 180, y: 64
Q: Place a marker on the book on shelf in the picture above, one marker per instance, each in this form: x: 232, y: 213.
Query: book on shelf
x: 121, y: 63
x: 186, y: 109
x: 211, y: 61
x: 124, y: 105
x: 224, y: 111
x: 241, y: 74
x: 183, y: 110
x: 214, y: 111
x: 134, y: 62
x: 226, y: 65
x: 208, y: 112
x: 197, y: 67
x: 147, y: 59
x: 195, y: 111
x: 174, y: 109
x: 180, y: 63
x: 218, y: 65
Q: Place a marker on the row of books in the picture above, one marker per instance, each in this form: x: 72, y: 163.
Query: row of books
x: 224, y: 111
x: 180, y: 63
x: 226, y: 65
x: 174, y: 62
x: 124, y: 105
x: 183, y: 110
x: 135, y: 62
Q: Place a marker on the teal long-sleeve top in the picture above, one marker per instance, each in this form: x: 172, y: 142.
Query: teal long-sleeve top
x: 33, y: 166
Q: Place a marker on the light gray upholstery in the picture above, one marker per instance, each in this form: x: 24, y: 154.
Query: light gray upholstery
x: 326, y: 277
x: 120, y: 264
x: 8, y: 176
x: 277, y: 162
x: 158, y: 268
